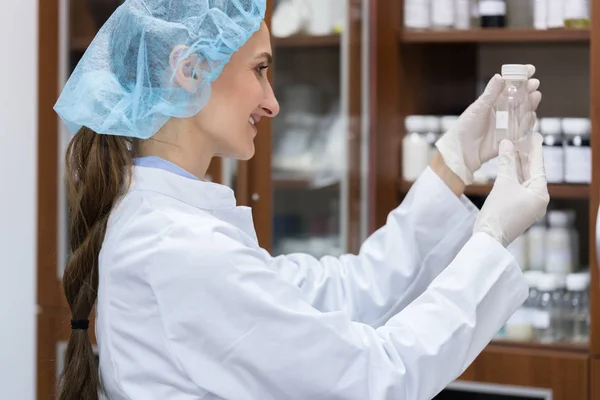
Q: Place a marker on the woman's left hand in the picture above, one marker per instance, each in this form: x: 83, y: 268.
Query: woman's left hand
x: 472, y: 140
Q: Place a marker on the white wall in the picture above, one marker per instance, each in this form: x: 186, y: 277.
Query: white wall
x: 18, y: 202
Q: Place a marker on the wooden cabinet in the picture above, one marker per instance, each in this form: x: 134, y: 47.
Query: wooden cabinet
x: 565, y: 373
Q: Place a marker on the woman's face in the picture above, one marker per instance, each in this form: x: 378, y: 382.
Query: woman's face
x: 240, y: 97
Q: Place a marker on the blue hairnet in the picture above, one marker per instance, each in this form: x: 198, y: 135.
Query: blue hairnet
x: 124, y: 84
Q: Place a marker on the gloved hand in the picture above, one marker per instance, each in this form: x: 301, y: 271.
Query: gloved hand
x: 513, y: 206
x: 472, y: 140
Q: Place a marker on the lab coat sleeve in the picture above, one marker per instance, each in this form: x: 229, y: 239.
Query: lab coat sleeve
x: 395, y: 264
x: 240, y: 332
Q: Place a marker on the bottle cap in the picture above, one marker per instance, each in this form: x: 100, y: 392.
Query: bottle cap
x: 433, y: 124
x: 532, y: 277
x: 447, y: 122
x: 576, y: 126
x: 559, y: 218
x: 550, y: 126
x: 415, y: 123
x: 577, y: 282
x: 514, y: 72
x: 547, y: 283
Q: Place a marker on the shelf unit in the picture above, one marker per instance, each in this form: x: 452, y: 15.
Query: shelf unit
x: 434, y: 72
x: 557, y: 191
x: 495, y: 35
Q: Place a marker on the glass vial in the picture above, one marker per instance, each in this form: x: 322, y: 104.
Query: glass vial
x: 545, y: 321
x: 577, y: 14
x: 492, y: 13
x: 514, y: 116
x: 556, y: 13
x: 576, y: 306
x: 416, y: 14
x: 554, y: 152
x: 442, y: 14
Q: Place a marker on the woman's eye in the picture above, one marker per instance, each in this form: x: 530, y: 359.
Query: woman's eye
x: 261, y: 69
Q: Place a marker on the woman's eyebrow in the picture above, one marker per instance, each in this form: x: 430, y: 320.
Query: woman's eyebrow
x: 265, y: 55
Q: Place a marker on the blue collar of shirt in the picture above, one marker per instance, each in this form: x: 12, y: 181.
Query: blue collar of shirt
x: 161, y: 163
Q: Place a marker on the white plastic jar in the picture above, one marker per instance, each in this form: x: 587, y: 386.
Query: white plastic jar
x: 415, y: 147
x: 417, y: 14
x: 554, y: 152
x: 536, y: 246
x: 559, y: 243
x: 578, y: 153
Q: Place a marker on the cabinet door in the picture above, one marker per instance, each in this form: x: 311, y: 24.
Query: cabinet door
x: 565, y: 373
x: 316, y: 140
x: 595, y: 379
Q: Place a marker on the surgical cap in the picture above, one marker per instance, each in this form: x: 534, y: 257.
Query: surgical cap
x: 125, y: 85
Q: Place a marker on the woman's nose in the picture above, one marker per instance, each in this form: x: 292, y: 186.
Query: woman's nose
x: 270, y: 105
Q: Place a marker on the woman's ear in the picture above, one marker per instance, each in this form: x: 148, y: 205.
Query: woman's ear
x: 185, y: 69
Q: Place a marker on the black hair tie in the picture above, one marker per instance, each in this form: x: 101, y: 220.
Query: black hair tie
x: 80, y: 324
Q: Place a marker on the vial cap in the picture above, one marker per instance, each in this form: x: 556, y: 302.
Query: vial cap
x: 550, y: 126
x: 415, y: 123
x: 532, y: 277
x: 514, y: 71
x: 547, y: 283
x: 433, y: 124
x: 576, y: 126
x: 577, y: 282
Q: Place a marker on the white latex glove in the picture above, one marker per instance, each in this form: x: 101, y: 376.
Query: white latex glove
x: 472, y: 140
x: 513, y: 206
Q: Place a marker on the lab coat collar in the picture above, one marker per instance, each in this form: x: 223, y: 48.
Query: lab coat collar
x: 200, y: 194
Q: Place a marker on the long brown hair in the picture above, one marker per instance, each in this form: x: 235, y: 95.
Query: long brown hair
x: 98, y: 171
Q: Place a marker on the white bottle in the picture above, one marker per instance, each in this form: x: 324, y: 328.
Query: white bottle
x: 556, y: 13
x: 462, y: 14
x: 442, y: 14
x: 559, y: 243
x: 554, y: 151
x: 540, y: 14
x: 518, y: 248
x: 536, y: 246
x: 416, y: 14
x: 578, y: 153
x: 415, y: 148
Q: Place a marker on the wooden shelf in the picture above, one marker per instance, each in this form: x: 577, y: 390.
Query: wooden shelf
x: 557, y: 191
x: 298, y: 183
x: 495, y: 35
x: 82, y: 43
x: 307, y: 41
x: 558, y: 346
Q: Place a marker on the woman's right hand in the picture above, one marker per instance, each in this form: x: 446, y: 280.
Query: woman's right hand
x: 518, y: 199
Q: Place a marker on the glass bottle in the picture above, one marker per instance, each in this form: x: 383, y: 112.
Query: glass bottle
x: 577, y: 308
x: 545, y: 313
x: 577, y: 14
x: 514, y: 116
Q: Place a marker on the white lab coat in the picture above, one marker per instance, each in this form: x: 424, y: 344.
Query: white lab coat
x: 189, y: 306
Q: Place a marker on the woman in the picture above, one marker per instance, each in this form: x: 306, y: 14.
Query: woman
x: 188, y: 305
